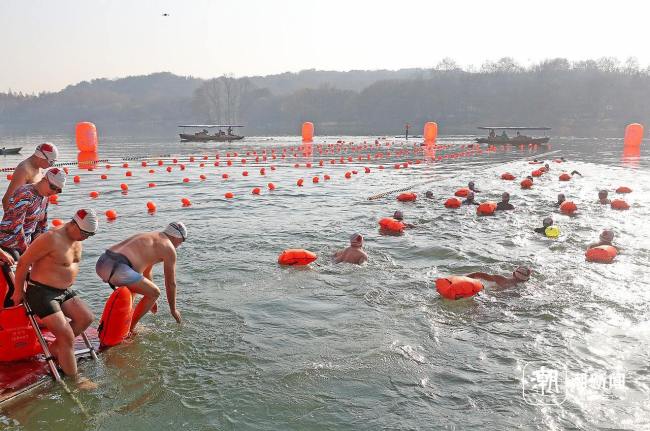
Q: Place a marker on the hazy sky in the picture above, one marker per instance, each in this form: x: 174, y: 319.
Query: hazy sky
x: 48, y: 44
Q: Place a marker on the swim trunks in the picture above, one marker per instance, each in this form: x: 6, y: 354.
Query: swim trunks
x: 116, y: 270
x: 45, y: 300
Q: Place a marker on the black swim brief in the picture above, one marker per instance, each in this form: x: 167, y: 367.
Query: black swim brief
x: 45, y: 300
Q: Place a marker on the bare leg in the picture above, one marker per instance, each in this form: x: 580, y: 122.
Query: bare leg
x: 64, y: 343
x: 150, y: 293
x: 80, y: 315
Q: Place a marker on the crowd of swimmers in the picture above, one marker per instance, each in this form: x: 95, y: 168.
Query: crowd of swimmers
x: 47, y: 260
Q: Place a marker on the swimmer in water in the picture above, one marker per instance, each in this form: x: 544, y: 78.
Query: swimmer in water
x: 575, y: 173
x: 546, y: 223
x: 399, y: 216
x: 469, y: 200
x: 354, y: 253
x: 505, y: 204
x: 470, y: 186
x: 560, y: 198
x: 520, y: 275
x: 428, y: 194
x: 546, y: 168
x: 602, y: 198
x: 606, y: 238
x: 530, y: 177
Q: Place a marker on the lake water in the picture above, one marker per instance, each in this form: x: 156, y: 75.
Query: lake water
x: 341, y: 347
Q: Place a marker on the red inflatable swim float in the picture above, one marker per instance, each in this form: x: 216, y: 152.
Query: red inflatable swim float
x: 116, y: 319
x: 565, y: 177
x: 462, y: 193
x: 526, y: 183
x: 536, y: 173
x: 601, y: 254
x: 17, y: 336
x: 507, y: 176
x: 486, y: 208
x: 568, y: 207
x: 392, y: 225
x: 452, y: 203
x: 620, y: 204
x: 296, y: 257
x: 623, y: 189
x: 407, y: 197
x: 457, y: 287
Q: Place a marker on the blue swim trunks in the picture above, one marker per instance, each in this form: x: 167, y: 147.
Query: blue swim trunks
x: 116, y: 270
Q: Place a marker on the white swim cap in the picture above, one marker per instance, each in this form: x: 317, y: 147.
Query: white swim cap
x: 47, y: 151
x: 56, y: 177
x: 356, y: 236
x: 87, y: 220
x: 176, y: 229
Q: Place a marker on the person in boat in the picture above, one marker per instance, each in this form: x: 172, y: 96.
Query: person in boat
x: 519, y: 275
x: 30, y: 170
x: 229, y: 131
x: 492, y: 135
x: 471, y: 186
x: 130, y: 263
x: 504, y: 136
x: 560, y: 198
x: 49, y: 269
x: 203, y: 132
x: 354, y: 253
x: 399, y: 216
x: 602, y: 198
x: 469, y: 199
x: 505, y: 204
x: 606, y: 237
x: 548, y: 221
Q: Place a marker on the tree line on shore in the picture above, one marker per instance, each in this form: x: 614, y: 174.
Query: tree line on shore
x: 585, y: 98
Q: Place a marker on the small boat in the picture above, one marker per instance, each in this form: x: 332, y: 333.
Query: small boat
x: 4, y: 151
x: 204, y: 135
x: 503, y: 138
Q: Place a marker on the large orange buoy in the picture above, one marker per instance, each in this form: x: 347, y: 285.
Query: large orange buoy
x: 430, y: 132
x: 87, y: 160
x: 407, y: 197
x: 229, y: 195
x: 507, y: 176
x: 86, y: 134
x: 601, y: 254
x: 296, y: 257
x: 619, y: 204
x: 151, y: 206
x: 486, y: 208
x: 17, y: 336
x: 462, y: 192
x: 186, y: 202
x: 457, y: 287
x: 526, y: 183
x: 452, y: 203
x: 307, y: 132
x: 111, y: 214
x: 392, y: 225
x: 633, y: 135
x: 623, y: 189
x: 568, y: 207
x: 565, y: 177
x: 116, y: 319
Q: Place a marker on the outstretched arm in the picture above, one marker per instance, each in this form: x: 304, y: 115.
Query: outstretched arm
x: 482, y: 276
x: 169, y: 266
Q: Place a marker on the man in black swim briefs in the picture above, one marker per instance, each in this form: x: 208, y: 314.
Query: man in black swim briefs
x: 54, y: 260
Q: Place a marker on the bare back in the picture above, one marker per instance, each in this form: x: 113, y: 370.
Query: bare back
x: 25, y: 173
x: 145, y: 249
x: 351, y: 255
x: 59, y: 265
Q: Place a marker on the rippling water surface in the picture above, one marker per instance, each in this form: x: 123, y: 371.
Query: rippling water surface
x: 370, y: 347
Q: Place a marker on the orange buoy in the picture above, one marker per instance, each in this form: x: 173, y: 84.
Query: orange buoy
x: 53, y: 199
x: 111, y: 214
x: 116, y: 318
x: 229, y: 195
x: 125, y: 165
x: 565, y: 177
x: 457, y: 287
x: 307, y: 132
x: 245, y: 173
x: 619, y: 204
x: 536, y: 173
x: 392, y: 225
x: 186, y: 202
x: 315, y: 180
x: 623, y: 189
x: 76, y: 179
x: 462, y: 192
x: 430, y: 132
x: 633, y: 135
x: 407, y: 197
x: 151, y: 207
x: 10, y: 177
x: 143, y: 164
x: 326, y: 177
x: 86, y: 136
x: 299, y: 182
x: 124, y: 187
x: 367, y: 170
x: 486, y: 208
x: 452, y: 203
x: 94, y: 194
x: 256, y: 191
x: 526, y: 183
x: 160, y: 162
x: 182, y: 167
x: 104, y: 177
x: 568, y: 207
x: 224, y: 176
x: 348, y: 175
x: 202, y: 177
x: 296, y: 257
x: 17, y: 338
x: 186, y: 180
x: 601, y: 254
x: 507, y: 176
x: 129, y: 174
x: 57, y: 222
x: 271, y: 186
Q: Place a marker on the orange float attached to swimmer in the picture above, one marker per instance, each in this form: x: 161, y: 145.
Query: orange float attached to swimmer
x: 116, y: 318
x: 507, y: 176
x: 462, y: 193
x: 619, y: 204
x: 526, y: 183
x: 452, y: 203
x: 407, y: 197
x: 392, y: 225
x: 601, y: 254
x: 457, y: 287
x: 623, y: 189
x: 568, y: 207
x: 17, y: 337
x: 565, y: 177
x: 486, y: 208
x: 296, y: 257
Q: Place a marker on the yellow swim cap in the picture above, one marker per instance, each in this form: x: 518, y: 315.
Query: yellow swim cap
x: 552, y: 231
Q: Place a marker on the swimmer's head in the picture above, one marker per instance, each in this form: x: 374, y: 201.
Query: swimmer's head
x: 521, y: 274
x: 48, y: 153
x: 356, y: 240
x: 547, y: 166
x: 561, y: 197
x: 505, y: 197
x: 607, y: 236
x: 398, y: 215
x: 177, y: 232
x: 429, y: 194
x: 470, y: 185
x: 87, y: 222
x: 602, y: 194
x: 547, y: 222
x: 530, y: 177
